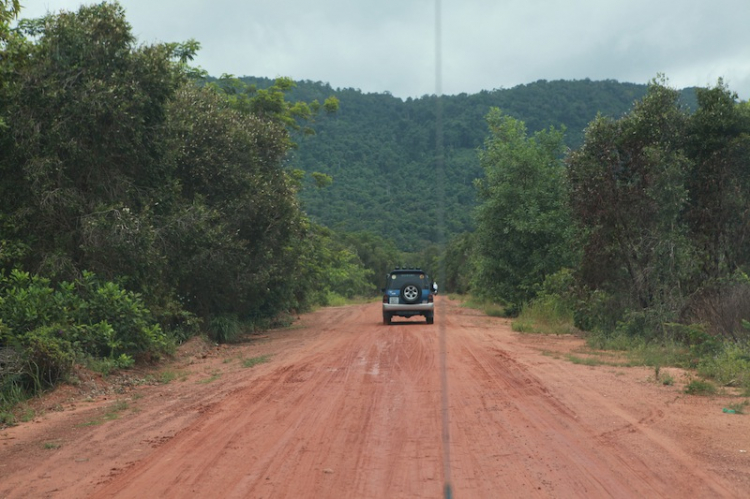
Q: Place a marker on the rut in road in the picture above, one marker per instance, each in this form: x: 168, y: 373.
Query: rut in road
x: 355, y: 417
x: 347, y: 407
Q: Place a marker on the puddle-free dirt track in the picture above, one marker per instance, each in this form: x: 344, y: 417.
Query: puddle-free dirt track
x: 345, y: 407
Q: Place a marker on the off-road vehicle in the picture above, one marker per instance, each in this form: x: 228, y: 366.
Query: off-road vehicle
x: 408, y: 292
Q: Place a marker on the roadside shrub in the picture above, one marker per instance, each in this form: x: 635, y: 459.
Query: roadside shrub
x: 722, y: 306
x: 488, y: 306
x: 561, y: 285
x: 47, y: 357
x: 106, y: 366
x: 597, y: 311
x: 28, y: 302
x: 50, y: 326
x: 618, y: 341
x: 548, y: 313
x: 659, y: 353
x: 700, y: 387
x: 648, y: 324
x: 694, y: 336
x: 334, y: 299
x: 729, y: 367
x: 121, y: 321
x: 224, y: 328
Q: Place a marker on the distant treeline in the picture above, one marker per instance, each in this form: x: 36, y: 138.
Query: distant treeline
x: 380, y: 150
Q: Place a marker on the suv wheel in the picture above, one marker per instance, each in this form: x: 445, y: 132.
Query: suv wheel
x: 411, y: 293
x: 387, y: 319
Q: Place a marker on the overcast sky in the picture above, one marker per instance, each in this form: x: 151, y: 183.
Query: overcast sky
x: 390, y: 45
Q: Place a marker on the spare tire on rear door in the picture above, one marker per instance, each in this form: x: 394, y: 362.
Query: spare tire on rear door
x: 411, y: 293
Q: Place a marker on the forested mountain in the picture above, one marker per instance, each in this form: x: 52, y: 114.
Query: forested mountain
x: 380, y: 150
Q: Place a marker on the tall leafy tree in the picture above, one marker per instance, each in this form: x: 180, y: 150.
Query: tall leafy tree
x: 114, y: 161
x: 718, y: 213
x: 82, y: 154
x: 459, y: 263
x: 9, y: 50
x: 523, y: 226
x: 235, y: 214
x: 628, y: 193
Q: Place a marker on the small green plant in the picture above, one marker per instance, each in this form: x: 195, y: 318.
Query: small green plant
x: 214, y: 376
x: 255, y: 361
x: 335, y: 300
x: 106, y: 366
x: 548, y: 314
x: 11, y: 394
x: 700, y: 387
x: 167, y: 376
x: 488, y: 307
x: 114, y: 410
x: 52, y: 326
x: 614, y: 341
x: 52, y: 445
x: 119, y: 406
x: 596, y: 358
x: 28, y: 414
x: 224, y: 328
x: 585, y: 361
x: 728, y: 366
x: 93, y: 422
x: 494, y: 310
x: 667, y: 379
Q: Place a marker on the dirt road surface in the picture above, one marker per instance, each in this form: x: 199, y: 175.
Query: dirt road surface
x: 341, y: 406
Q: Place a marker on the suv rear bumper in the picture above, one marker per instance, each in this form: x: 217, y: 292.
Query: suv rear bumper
x: 414, y: 307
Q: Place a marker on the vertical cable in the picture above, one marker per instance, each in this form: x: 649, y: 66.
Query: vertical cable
x: 440, y: 212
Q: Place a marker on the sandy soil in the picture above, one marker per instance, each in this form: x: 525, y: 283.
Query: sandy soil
x: 344, y: 406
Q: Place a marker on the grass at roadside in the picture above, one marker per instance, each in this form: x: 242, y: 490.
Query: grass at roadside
x: 546, y: 315
x: 724, y: 365
x: 336, y: 300
x: 254, y: 361
x: 110, y: 414
x: 493, y: 309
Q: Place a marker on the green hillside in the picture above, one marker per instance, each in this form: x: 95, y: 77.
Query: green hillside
x: 380, y: 150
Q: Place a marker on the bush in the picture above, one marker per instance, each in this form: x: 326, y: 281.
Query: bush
x: 116, y: 320
x: 695, y: 336
x: 224, y: 328
x: 722, y: 306
x: 48, y: 328
x: 617, y: 340
x: 28, y: 302
x: 597, y: 311
x: 729, y: 367
x: 47, y: 357
x: 546, y: 314
x: 700, y: 387
x: 489, y: 307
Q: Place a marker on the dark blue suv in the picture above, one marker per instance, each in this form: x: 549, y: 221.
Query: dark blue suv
x: 408, y: 292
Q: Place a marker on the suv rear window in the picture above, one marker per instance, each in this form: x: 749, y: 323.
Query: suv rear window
x: 396, y: 280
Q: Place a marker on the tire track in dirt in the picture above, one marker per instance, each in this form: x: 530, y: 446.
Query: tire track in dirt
x: 347, y: 407
x: 559, y: 456
x: 342, y: 420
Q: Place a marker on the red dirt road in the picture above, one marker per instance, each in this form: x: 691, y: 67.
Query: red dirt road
x: 346, y: 407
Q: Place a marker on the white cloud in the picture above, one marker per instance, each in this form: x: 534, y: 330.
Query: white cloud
x: 390, y: 45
